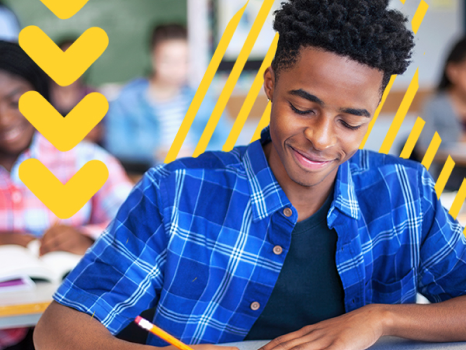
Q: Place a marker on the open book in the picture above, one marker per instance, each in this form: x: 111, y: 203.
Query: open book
x: 19, y: 265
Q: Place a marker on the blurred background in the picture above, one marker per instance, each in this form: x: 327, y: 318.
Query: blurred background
x: 130, y: 24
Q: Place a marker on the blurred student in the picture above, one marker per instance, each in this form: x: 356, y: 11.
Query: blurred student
x: 445, y: 111
x: 9, y: 24
x: 65, y: 98
x: 144, y: 120
x: 23, y: 217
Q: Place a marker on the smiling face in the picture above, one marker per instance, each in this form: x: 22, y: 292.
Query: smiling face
x: 170, y: 62
x: 321, y: 108
x: 15, y: 131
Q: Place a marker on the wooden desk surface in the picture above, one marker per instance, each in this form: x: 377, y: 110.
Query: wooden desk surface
x: 21, y: 309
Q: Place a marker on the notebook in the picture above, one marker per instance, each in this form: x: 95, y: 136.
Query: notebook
x: 19, y: 265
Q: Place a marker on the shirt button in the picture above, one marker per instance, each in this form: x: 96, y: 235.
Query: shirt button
x: 255, y: 306
x: 16, y: 197
x: 287, y: 212
x: 277, y: 250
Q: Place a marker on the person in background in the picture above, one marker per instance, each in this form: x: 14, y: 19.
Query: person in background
x: 144, y: 120
x: 65, y: 98
x: 9, y: 24
x: 23, y: 217
x: 445, y: 111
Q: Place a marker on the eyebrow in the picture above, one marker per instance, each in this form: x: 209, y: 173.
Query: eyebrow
x: 306, y: 95
x: 14, y: 92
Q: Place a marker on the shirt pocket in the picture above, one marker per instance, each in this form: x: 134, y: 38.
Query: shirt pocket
x: 398, y: 292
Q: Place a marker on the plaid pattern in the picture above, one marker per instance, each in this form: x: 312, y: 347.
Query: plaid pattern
x: 22, y: 211
x: 195, y: 240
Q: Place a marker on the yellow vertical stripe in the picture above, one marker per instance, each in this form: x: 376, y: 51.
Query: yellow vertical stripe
x: 265, y: 120
x: 431, y: 151
x: 400, y: 114
x: 377, y: 112
x: 444, y: 176
x: 204, y: 86
x: 233, y: 78
x: 251, y: 98
x: 459, y: 200
x: 419, y: 16
x: 412, y: 139
x: 403, y: 1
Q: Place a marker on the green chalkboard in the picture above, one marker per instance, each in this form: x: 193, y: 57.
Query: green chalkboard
x: 127, y: 22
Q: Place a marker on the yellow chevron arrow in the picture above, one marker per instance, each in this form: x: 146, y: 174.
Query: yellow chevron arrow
x: 63, y: 133
x: 64, y: 9
x: 63, y: 67
x: 63, y: 200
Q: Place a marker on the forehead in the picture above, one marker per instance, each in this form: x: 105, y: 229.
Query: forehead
x: 333, y: 78
x: 10, y: 82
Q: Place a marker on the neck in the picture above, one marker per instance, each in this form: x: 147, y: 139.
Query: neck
x: 306, y: 199
x: 7, y: 161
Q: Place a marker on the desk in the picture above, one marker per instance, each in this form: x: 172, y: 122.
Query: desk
x: 384, y: 343
x: 23, y: 309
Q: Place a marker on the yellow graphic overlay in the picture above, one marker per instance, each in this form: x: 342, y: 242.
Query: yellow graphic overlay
x: 63, y: 67
x: 400, y: 114
x: 204, y: 86
x: 431, y: 151
x: 251, y: 98
x: 63, y: 200
x: 444, y: 176
x: 234, y: 76
x: 63, y: 133
x: 412, y: 139
x: 64, y: 9
x: 419, y: 16
x: 459, y: 200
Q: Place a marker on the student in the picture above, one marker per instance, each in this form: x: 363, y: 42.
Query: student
x: 23, y: 216
x: 445, y: 111
x: 299, y: 237
x: 142, y: 123
x: 65, y: 98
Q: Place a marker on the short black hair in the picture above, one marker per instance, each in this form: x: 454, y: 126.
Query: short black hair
x: 165, y: 32
x: 16, y: 62
x: 365, y: 31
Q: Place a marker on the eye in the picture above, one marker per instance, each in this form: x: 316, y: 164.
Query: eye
x: 351, y: 127
x: 14, y: 104
x: 298, y: 111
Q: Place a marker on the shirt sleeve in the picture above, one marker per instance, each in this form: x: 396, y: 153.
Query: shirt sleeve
x: 442, y: 270
x: 121, y: 275
x: 106, y: 202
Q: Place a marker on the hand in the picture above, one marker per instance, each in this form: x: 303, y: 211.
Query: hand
x: 64, y: 238
x: 355, y: 330
x: 16, y: 238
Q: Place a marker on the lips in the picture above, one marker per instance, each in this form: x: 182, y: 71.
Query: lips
x: 310, y: 162
x: 12, y: 134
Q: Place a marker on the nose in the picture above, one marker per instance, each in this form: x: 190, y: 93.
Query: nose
x: 321, y: 133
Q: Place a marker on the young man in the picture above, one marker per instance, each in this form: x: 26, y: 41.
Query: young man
x: 298, y: 237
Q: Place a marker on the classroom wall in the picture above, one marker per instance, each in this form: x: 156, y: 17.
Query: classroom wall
x: 127, y: 22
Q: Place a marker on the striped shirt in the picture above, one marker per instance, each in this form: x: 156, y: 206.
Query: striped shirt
x: 195, y: 240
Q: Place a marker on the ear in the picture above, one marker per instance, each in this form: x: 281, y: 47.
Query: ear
x: 269, y: 83
x: 452, y: 72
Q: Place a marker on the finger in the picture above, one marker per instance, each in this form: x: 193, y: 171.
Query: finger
x: 278, y: 343
x: 51, y: 243
x: 314, y: 335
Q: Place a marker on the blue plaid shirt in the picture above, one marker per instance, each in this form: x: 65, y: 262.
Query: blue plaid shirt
x: 195, y: 240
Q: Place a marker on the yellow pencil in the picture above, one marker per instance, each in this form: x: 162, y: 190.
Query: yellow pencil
x: 143, y: 323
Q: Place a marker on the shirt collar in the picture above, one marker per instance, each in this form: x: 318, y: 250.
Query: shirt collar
x: 267, y: 195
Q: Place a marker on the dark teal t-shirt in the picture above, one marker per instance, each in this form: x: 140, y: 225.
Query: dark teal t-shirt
x: 308, y: 289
